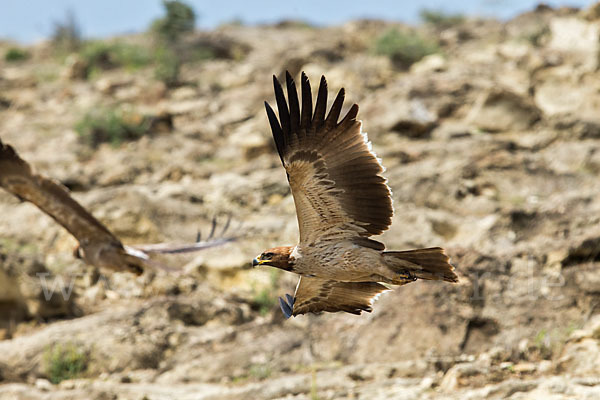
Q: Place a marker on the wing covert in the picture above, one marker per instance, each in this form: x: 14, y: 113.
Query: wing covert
x: 315, y: 295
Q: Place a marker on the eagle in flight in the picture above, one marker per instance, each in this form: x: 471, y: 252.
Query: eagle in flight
x: 341, y: 200
x: 97, y: 245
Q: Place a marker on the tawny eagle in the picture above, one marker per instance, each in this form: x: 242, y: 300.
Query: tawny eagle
x: 97, y: 245
x: 341, y: 200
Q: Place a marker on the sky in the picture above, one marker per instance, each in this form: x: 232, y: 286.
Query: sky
x: 28, y: 21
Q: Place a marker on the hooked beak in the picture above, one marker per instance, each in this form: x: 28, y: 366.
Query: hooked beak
x: 256, y: 262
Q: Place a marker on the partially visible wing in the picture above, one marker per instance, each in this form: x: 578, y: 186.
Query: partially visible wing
x: 314, y: 295
x: 214, y: 239
x: 335, y: 178
x: 17, y: 177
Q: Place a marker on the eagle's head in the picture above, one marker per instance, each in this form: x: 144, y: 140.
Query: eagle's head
x: 278, y: 257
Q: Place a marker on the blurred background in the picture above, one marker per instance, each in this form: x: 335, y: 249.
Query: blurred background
x: 485, y: 115
x: 113, y: 17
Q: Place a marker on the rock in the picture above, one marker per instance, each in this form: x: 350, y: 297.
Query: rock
x: 43, y: 384
x: 587, y: 251
x: 109, y: 84
x: 561, y: 90
x: 500, y: 111
x: 578, y: 38
x: 428, y: 64
x: 112, y: 346
x: 581, y: 354
x: 592, y: 13
x: 75, y: 68
x: 524, y: 368
x: 392, y: 111
x: 29, y: 290
x: 253, y: 142
x: 588, y: 280
x: 457, y: 376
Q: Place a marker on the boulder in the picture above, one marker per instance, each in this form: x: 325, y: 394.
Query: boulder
x: 499, y: 110
x: 578, y: 39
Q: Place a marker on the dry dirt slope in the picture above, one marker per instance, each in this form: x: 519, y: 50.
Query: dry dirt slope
x: 492, y: 149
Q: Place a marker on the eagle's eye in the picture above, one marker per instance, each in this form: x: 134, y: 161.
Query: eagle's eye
x: 267, y: 256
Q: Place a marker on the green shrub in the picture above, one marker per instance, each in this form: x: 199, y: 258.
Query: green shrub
x: 441, y: 19
x: 100, y: 55
x: 66, y: 34
x: 201, y: 53
x: 167, y: 65
x: 404, y: 48
x: 111, y: 125
x: 260, y: 371
x: 265, y: 298
x: 15, y: 54
x: 179, y: 19
x: 64, y: 361
x: 538, y: 35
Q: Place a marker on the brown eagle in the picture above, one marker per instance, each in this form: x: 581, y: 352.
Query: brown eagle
x: 341, y: 200
x: 97, y: 245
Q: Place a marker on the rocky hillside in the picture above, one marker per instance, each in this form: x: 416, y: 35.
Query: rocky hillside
x: 490, y: 133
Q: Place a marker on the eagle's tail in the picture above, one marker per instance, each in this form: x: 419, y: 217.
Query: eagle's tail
x: 431, y: 264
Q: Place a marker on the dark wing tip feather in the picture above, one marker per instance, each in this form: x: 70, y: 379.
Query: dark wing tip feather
x: 278, y: 135
x: 7, y: 152
x: 336, y: 109
x: 293, y: 102
x: 321, y: 105
x: 350, y: 115
x: 282, y: 107
x: 306, y: 117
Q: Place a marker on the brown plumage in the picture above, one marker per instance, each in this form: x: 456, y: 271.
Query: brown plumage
x: 97, y: 245
x: 341, y: 200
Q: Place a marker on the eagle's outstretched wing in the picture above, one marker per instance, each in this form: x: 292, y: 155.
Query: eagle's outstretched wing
x: 214, y: 239
x: 17, y: 177
x: 315, y: 295
x: 334, y: 176
x: 97, y: 245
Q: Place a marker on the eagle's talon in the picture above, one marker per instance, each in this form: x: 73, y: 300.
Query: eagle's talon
x: 290, y: 300
x: 285, y: 308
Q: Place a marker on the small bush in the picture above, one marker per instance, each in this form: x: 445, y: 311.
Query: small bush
x: 201, y: 53
x: 168, y: 31
x: 537, y: 36
x: 179, y: 19
x: 167, y: 65
x: 441, y: 19
x: 265, y: 298
x: 99, y: 55
x: 260, y: 371
x: 111, y: 125
x: 64, y: 361
x: 15, y: 54
x: 404, y: 48
x: 66, y: 34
